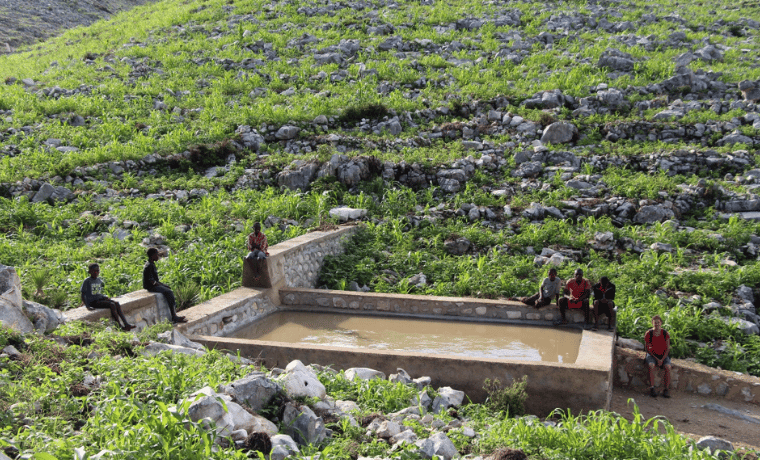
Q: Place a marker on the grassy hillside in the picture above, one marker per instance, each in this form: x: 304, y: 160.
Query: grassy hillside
x: 180, y: 124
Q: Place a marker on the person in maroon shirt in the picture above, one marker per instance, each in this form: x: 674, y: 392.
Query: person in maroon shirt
x: 657, y: 343
x: 259, y: 250
x: 579, y: 290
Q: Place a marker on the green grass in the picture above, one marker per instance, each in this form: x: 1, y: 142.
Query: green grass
x: 132, y: 413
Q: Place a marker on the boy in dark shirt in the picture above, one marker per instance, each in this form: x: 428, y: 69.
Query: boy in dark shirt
x: 152, y: 284
x: 92, y: 296
x: 604, y: 302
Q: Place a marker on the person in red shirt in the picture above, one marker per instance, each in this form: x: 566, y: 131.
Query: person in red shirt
x: 657, y: 343
x: 259, y: 250
x: 579, y: 290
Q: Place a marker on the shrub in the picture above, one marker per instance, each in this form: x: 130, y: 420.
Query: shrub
x: 187, y: 294
x: 355, y: 113
x: 510, y: 400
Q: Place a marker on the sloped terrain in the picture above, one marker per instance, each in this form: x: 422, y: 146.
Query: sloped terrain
x: 484, y: 141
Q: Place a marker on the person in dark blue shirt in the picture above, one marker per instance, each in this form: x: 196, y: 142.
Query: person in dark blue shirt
x: 93, y: 297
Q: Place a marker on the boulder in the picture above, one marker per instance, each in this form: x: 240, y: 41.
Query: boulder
x: 44, y: 193
x: 447, y: 397
x: 13, y: 317
x: 630, y: 343
x: 400, y: 377
x: 287, y: 132
x: 298, y: 175
x: 282, y: 446
x: 457, y: 247
x: 45, y: 319
x: 300, y: 381
x: 10, y: 286
x: 713, y: 443
x: 747, y: 327
x: 303, y: 425
x: 209, y: 409
x: 154, y: 348
x: 651, y: 214
x: 175, y: 337
x: 616, y: 60
x: 344, y: 213
x: 438, y: 444
x: 559, y: 133
x: 254, y: 390
x: 388, y: 429
x: 363, y: 373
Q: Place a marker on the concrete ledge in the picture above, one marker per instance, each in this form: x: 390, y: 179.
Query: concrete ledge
x: 686, y: 376
x: 582, y: 386
x: 422, y: 305
x: 132, y: 304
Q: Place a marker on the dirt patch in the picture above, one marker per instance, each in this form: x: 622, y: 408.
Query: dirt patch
x: 686, y: 413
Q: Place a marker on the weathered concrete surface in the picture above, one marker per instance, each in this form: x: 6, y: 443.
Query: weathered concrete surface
x: 687, y: 376
x: 581, y: 386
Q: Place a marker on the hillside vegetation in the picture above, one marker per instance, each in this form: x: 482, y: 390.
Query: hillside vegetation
x: 485, y: 140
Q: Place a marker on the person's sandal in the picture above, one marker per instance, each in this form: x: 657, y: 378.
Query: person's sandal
x: 594, y: 328
x: 652, y: 393
x: 666, y: 394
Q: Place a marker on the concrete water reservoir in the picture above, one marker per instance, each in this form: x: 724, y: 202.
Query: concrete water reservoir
x: 580, y: 384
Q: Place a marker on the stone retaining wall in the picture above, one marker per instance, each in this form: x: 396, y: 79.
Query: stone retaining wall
x: 630, y: 371
x: 422, y: 305
x: 297, y: 261
x: 222, y: 315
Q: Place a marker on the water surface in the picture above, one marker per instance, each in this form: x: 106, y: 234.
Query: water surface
x: 458, y: 338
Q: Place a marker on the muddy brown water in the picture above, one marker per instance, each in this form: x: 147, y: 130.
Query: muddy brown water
x: 423, y: 336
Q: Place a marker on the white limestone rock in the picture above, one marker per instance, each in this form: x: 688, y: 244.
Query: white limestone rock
x: 282, y: 446
x: 363, y: 373
x: 300, y: 381
x: 154, y: 348
x: 303, y: 425
x: 438, y: 444
x: 254, y: 390
x: 447, y: 397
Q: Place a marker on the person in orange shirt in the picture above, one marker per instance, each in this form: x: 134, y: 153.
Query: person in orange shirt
x: 579, y: 290
x: 657, y: 343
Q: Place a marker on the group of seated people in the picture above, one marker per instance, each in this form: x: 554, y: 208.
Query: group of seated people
x: 92, y: 290
x: 577, y: 292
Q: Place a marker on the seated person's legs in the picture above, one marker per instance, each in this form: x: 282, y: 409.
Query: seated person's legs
x: 529, y: 301
x: 169, y: 295
x: 562, y: 303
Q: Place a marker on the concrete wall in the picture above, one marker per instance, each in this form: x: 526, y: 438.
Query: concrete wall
x: 297, y: 261
x: 224, y: 314
x: 688, y: 376
x: 584, y: 385
x: 142, y: 308
x: 422, y: 305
